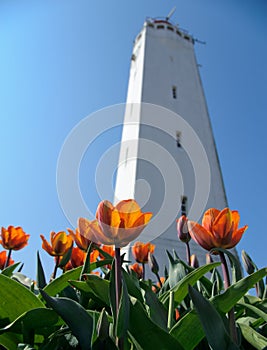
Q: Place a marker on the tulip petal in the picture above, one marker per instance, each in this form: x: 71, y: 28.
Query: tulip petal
x: 129, y: 211
x: 200, y: 235
x: 46, y: 246
x: 236, y: 237
x: 235, y: 219
x: 222, y: 225
x: 209, y: 217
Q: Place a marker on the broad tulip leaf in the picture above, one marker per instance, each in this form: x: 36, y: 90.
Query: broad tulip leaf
x: 61, y: 282
x: 10, y: 340
x: 123, y: 314
x: 133, y: 286
x: 8, y: 271
x: 76, y: 317
x: 223, y: 303
x: 177, y: 270
x: 38, y: 319
x: 181, y: 288
x: 146, y: 334
x: 41, y: 281
x: 212, y: 323
x: 254, y: 338
x: 15, y: 299
x: 158, y: 313
x: 97, y: 287
x: 255, y: 310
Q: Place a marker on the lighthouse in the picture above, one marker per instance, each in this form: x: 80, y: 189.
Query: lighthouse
x: 168, y: 160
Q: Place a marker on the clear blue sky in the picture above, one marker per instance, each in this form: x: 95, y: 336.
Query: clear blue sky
x: 63, y: 60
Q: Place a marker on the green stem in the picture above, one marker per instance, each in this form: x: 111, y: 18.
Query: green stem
x: 231, y: 313
x: 159, y: 280
x: 118, y: 284
x: 8, y: 258
x: 170, y: 312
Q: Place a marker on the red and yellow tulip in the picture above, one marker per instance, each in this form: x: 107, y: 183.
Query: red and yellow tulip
x: 219, y: 229
x: 13, y: 238
x: 60, y: 243
x: 141, y: 250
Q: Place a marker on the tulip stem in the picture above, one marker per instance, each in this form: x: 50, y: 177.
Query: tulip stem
x: 8, y: 258
x: 188, y: 253
x: 143, y: 268
x: 118, y: 289
x: 231, y: 313
x: 55, y: 268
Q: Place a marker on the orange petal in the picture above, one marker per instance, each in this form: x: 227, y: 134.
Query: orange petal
x: 235, y: 219
x: 201, y: 236
x: 129, y: 211
x: 236, y: 236
x: 46, y: 246
x: 222, y: 225
x: 209, y: 217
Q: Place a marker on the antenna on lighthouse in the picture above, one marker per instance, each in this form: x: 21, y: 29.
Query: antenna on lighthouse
x: 171, y: 13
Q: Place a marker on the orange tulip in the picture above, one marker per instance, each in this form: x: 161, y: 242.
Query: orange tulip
x: 3, y: 258
x: 141, y: 250
x: 121, y: 224
x: 108, y: 249
x: 219, y: 229
x: 78, y: 257
x: 138, y: 269
x: 13, y: 238
x: 60, y: 243
x: 81, y: 241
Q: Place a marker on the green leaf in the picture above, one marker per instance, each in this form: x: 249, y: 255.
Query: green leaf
x: 61, y: 282
x: 65, y: 258
x: 8, y: 271
x: 79, y: 321
x: 123, y: 314
x: 181, y: 288
x: 157, y: 312
x: 234, y: 262
x: 223, y: 303
x: 255, y: 310
x: 177, y: 270
x: 41, y: 282
x: 212, y: 322
x: 234, y: 293
x: 10, y: 340
x: 254, y: 338
x: 146, y: 334
x: 112, y: 292
x: 97, y: 287
x: 22, y: 346
x: 133, y: 286
x: 15, y: 299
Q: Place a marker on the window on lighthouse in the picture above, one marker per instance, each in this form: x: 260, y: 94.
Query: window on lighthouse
x: 183, y: 205
x: 178, y: 139
x: 174, y: 92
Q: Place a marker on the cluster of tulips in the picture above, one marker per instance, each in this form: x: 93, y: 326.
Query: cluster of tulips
x: 105, y: 286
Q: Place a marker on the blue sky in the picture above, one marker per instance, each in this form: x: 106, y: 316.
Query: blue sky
x: 63, y: 60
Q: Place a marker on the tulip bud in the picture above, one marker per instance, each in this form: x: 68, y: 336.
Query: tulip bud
x: 153, y: 263
x: 194, y: 261
x: 249, y: 266
x: 209, y: 259
x: 182, y: 229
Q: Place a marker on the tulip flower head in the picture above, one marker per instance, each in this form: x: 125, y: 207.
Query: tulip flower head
x: 13, y: 238
x: 60, y: 243
x: 3, y: 259
x: 81, y: 241
x: 116, y: 225
x: 138, y: 269
x: 182, y: 229
x: 194, y: 261
x: 219, y: 229
x: 141, y: 250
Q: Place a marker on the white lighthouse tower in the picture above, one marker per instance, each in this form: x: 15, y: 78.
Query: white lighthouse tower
x: 168, y: 160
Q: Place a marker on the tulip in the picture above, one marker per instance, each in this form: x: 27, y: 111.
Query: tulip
x: 13, y: 238
x: 141, y: 250
x: 119, y: 225
x: 247, y: 263
x: 3, y: 260
x: 60, y: 243
x: 182, y: 229
x: 137, y: 269
x: 194, y: 261
x: 81, y: 241
x: 219, y: 229
x: 153, y: 264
